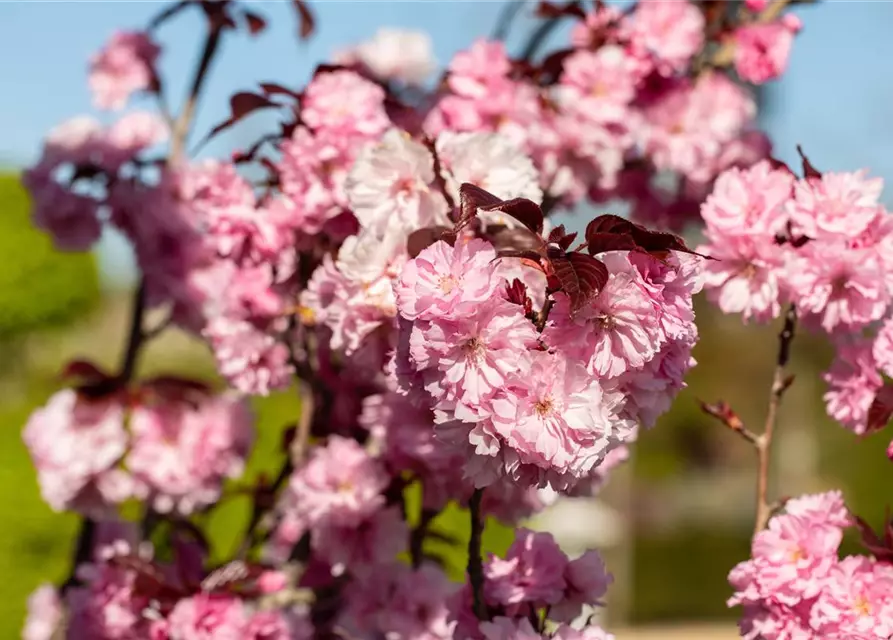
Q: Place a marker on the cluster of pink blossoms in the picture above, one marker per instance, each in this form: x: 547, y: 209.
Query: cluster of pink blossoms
x: 393, y: 257
x: 172, y: 451
x: 796, y: 587
x: 822, y: 243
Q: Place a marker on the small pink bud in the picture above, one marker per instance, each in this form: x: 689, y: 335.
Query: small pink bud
x: 756, y: 5
x: 271, y: 581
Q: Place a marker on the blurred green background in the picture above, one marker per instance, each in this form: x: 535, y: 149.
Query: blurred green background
x: 685, y: 500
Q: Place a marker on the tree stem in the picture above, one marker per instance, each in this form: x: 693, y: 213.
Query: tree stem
x: 475, y: 562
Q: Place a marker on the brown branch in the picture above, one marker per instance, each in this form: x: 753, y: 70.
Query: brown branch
x: 780, y: 383
x: 184, y: 120
x: 418, y: 535
x: 475, y: 561
x: 726, y: 415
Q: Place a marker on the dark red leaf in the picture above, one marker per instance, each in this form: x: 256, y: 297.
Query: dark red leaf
x: 218, y: 15
x: 779, y: 165
x: 880, y: 548
x: 517, y: 239
x: 472, y: 198
x: 421, y: 239
x: 550, y: 69
x: 613, y: 233
x: 517, y: 294
x: 809, y: 171
x: 306, y: 22
x: 523, y: 254
x: 174, y: 389
x: 84, y: 371
x: 881, y: 409
x: 241, y: 105
x: 581, y: 276
x: 256, y: 24
x: 551, y: 10
x: 559, y: 236
x: 273, y: 89
x: 523, y: 210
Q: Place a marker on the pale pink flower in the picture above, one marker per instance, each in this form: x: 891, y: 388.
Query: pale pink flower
x: 750, y: 201
x: 746, y: 276
x: 477, y: 353
x: 345, y: 102
x: 762, y: 50
x: 485, y: 62
x: 502, y: 628
x: 856, y: 602
x: 396, y: 54
x: 399, y: 602
x: 492, y: 162
x: 769, y: 621
x: 853, y: 381
x: 827, y: 508
x: 618, y: 331
x: 70, y: 219
x: 251, y: 360
x: 838, y: 287
x: 756, y: 5
x: 44, y: 614
x: 587, y: 582
x: 882, y: 351
x: 532, y: 571
x: 362, y: 546
x: 77, y: 140
x: 670, y: 32
x: 838, y: 204
x: 182, y: 452
x: 556, y: 424
x: 136, y: 131
x: 124, y: 66
x: 277, y: 625
x: 75, y: 444
x: 391, y: 187
x: 340, y: 485
x: 444, y: 281
x: 207, y: 617
x: 590, y: 33
x: 602, y: 82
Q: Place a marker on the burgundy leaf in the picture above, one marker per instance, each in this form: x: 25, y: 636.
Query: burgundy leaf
x: 241, y: 105
x: 523, y: 210
x: 552, y: 66
x: 256, y: 24
x: 517, y: 239
x: 551, y: 10
x: 612, y: 233
x: 273, y: 89
x: 581, y: 276
x: 517, y: 294
x: 880, y: 548
x: 305, y: 18
x: 777, y: 164
x: 421, y: 239
x: 881, y: 409
x: 559, y: 236
x: 809, y: 171
x: 523, y: 254
x: 85, y: 371
x: 218, y: 14
x: 472, y: 198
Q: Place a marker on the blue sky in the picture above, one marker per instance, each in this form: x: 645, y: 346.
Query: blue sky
x: 836, y: 100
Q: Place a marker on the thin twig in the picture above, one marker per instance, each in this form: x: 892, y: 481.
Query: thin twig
x: 418, y: 535
x: 780, y: 384
x: 475, y: 561
x: 184, y: 120
x: 507, y: 16
x: 726, y: 415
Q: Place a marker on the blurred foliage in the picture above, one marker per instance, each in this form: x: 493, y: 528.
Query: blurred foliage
x: 39, y: 286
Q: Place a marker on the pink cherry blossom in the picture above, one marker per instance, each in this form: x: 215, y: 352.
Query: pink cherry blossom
x: 70, y: 219
x: 750, y: 201
x: 136, y: 131
x: 76, y: 444
x: 340, y: 485
x: 882, y: 351
x: 485, y: 62
x: 836, y: 203
x: 44, y: 614
x: 532, y: 571
x: 853, y: 381
x: 443, y: 281
x: 762, y: 50
x: 587, y: 583
x: 250, y: 359
x: 603, y: 20
x: 124, y: 66
x: 277, y: 625
x: 618, y: 331
x: 670, y: 32
x: 395, y: 54
x: 208, y: 617
x: 391, y: 187
x: 838, y: 288
x: 857, y: 601
x: 825, y: 507
x: 756, y: 5
x: 182, y: 452
x: 603, y: 82
x: 747, y: 275
x: 344, y: 102
x: 492, y: 162
x: 362, y: 546
x: 502, y: 628
x: 476, y: 354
